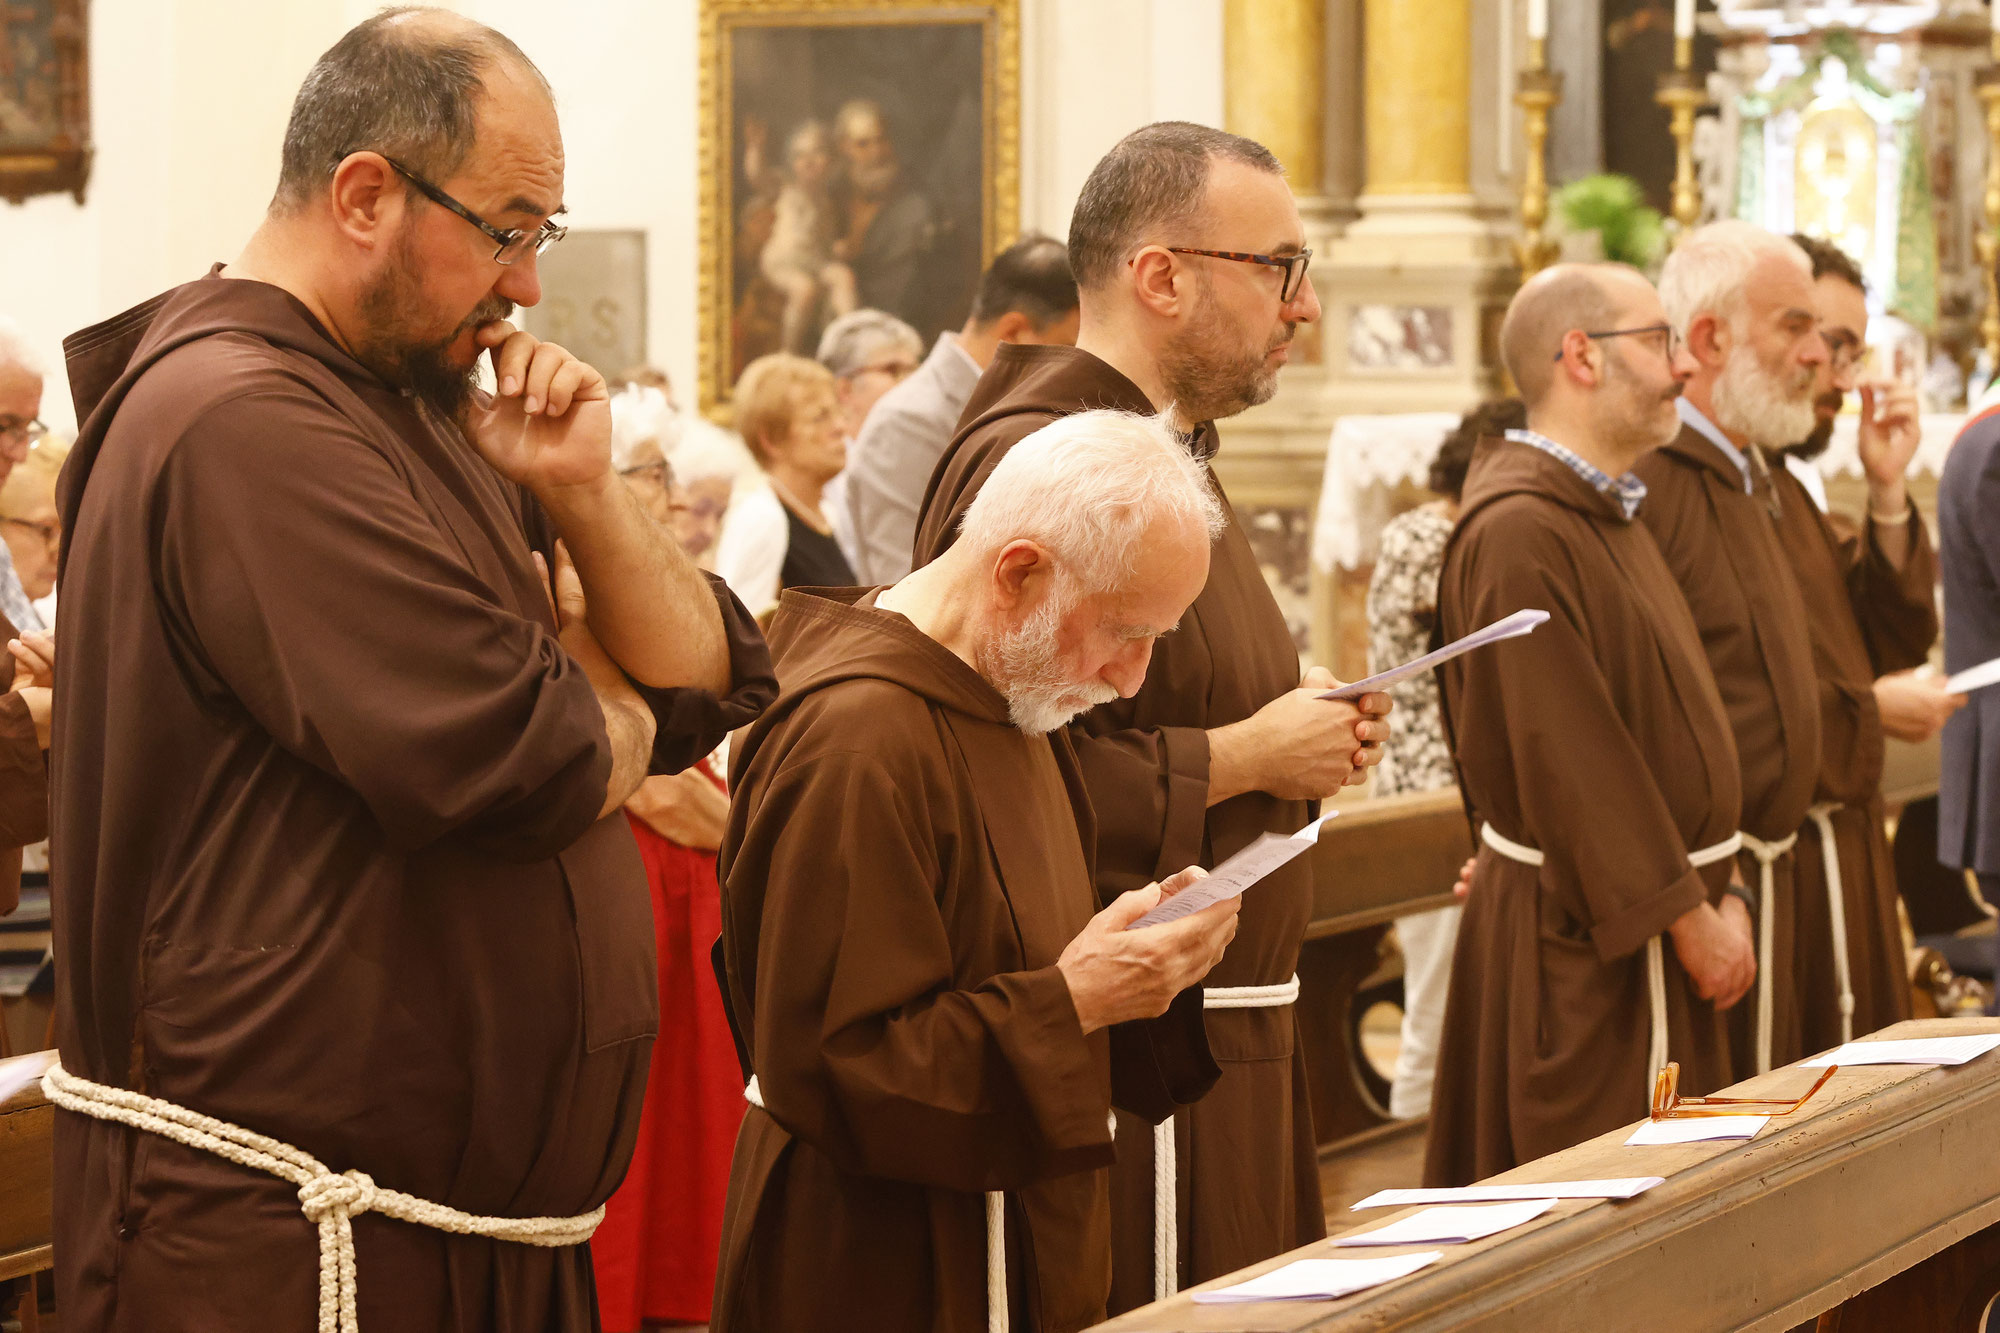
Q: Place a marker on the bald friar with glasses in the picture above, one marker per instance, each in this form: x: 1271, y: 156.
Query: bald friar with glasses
x: 1599, y: 939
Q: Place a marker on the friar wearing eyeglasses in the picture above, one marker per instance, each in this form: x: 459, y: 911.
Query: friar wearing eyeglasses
x: 1871, y: 608
x: 1190, y: 263
x: 1743, y: 299
x: 1600, y: 938
x: 357, y: 990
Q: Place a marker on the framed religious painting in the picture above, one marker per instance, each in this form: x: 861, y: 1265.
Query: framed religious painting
x: 855, y: 154
x: 44, y: 98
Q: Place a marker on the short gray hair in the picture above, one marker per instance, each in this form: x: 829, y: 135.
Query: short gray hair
x: 1709, y: 271
x: 851, y: 341
x: 1086, y: 487
x: 1152, y: 184
x: 15, y: 349
x: 405, y: 83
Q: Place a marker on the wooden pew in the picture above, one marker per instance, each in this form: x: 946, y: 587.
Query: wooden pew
x: 1383, y: 858
x: 27, y: 1177
x: 1876, y: 1208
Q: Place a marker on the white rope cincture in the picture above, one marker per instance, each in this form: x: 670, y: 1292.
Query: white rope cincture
x: 1656, y: 959
x: 1836, y: 910
x: 996, y: 1235
x: 329, y: 1200
x: 1656, y: 997
x: 1166, y: 1165
x: 1767, y: 854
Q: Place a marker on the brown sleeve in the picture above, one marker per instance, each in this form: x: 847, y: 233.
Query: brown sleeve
x: 24, y: 777
x: 690, y: 722
x: 863, y: 1043
x: 1897, y: 609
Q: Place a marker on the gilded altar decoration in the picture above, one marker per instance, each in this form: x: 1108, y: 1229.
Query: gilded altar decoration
x: 44, y: 98
x: 854, y: 154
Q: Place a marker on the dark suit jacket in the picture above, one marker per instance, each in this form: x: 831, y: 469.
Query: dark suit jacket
x: 1969, y: 557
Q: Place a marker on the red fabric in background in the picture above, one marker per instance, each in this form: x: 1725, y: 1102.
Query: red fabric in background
x: 655, y: 1253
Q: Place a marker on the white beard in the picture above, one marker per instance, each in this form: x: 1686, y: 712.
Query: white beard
x: 1751, y: 402
x: 1025, y: 665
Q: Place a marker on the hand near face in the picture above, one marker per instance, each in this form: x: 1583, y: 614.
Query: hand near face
x: 1889, y: 431
x: 549, y: 422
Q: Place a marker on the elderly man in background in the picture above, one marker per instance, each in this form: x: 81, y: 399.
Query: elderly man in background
x: 939, y: 1011
x: 869, y: 353
x: 1595, y: 755
x: 1743, y: 300
x: 887, y: 228
x: 1871, y: 608
x: 1027, y: 296
x: 26, y: 707
x: 1190, y: 263
x: 338, y: 799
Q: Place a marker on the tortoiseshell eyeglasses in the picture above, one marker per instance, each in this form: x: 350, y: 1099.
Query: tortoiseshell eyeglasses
x: 1668, y: 1104
x: 1293, y: 265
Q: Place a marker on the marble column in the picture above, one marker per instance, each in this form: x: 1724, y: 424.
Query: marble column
x: 1274, y: 82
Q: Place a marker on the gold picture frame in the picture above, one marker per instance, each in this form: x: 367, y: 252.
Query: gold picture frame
x: 787, y: 246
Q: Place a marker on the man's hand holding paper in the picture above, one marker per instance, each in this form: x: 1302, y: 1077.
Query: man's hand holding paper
x: 1299, y: 747
x: 1117, y: 974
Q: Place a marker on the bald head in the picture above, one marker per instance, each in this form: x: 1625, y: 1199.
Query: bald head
x: 1585, y: 297
x: 407, y: 83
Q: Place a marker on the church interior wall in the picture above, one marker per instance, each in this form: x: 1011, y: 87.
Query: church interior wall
x: 189, y: 99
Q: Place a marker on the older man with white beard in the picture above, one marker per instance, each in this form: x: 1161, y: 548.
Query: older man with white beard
x: 1744, y: 302
x: 939, y: 1016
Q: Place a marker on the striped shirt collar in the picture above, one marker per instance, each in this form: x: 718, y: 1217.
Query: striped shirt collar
x: 1627, y: 492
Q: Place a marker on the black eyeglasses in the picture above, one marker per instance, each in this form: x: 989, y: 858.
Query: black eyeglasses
x: 1294, y: 266
x: 1670, y: 339
x: 1843, y: 349
x: 514, y: 242
x: 26, y: 430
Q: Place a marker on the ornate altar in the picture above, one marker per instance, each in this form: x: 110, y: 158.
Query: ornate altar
x: 1850, y: 122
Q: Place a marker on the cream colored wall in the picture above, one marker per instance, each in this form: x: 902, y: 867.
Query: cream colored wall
x: 190, y: 97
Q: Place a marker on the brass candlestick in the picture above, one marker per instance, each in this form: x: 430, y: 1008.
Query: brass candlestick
x: 1539, y: 91
x: 1988, y: 243
x: 1681, y: 94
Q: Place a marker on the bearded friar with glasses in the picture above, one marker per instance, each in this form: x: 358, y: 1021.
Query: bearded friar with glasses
x: 1870, y: 598
x: 1190, y: 264
x: 356, y: 989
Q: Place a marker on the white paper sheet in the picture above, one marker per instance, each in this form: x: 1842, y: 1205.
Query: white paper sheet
x: 1238, y: 873
x: 15, y: 1076
x: 1451, y: 1226
x: 1698, y: 1129
x: 1915, y: 1051
x: 1511, y: 627
x: 1622, y: 1188
x: 1319, y: 1279
x: 1973, y: 678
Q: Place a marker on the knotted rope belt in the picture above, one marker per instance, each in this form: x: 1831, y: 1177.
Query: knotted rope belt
x: 329, y: 1200
x: 1767, y: 854
x: 1836, y: 910
x: 1656, y: 962
x: 1166, y: 1167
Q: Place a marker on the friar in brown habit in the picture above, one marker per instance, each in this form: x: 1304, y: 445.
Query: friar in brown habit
x: 1871, y: 606
x: 939, y: 1016
x: 1742, y: 298
x: 1600, y: 939
x: 1190, y: 260
x: 337, y: 784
